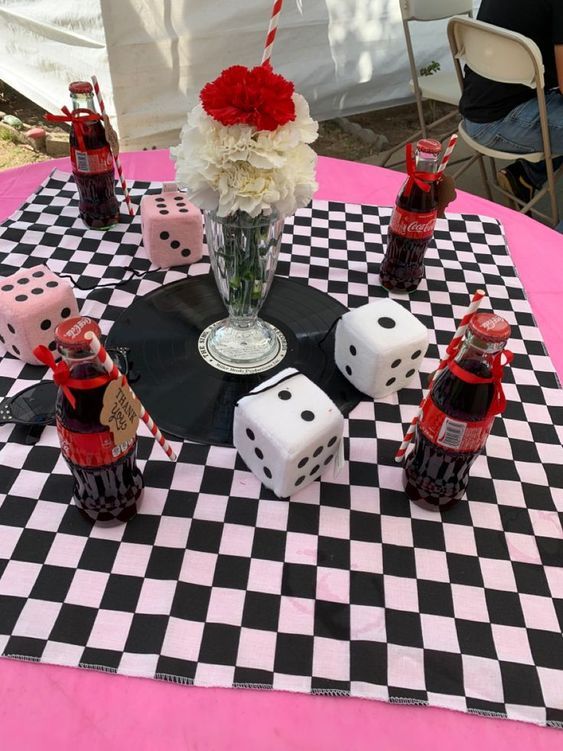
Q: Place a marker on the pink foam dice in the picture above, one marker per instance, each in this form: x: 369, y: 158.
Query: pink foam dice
x: 172, y: 229
x: 32, y: 303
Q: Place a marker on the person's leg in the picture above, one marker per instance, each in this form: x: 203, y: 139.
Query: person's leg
x: 520, y: 133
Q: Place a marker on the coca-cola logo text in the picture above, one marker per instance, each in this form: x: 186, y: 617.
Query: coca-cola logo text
x: 412, y: 224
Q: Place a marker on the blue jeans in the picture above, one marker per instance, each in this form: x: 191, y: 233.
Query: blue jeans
x: 520, y: 133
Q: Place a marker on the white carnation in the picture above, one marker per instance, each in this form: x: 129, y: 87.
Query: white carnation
x: 236, y: 168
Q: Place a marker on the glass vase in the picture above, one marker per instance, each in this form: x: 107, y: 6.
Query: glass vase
x: 243, y: 251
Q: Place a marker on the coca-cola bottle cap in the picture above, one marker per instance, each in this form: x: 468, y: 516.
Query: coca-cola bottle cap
x: 80, y: 87
x: 489, y: 327
x: 429, y: 146
x: 70, y: 334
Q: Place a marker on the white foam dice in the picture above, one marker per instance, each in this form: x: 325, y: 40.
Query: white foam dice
x: 379, y: 347
x: 32, y: 303
x: 288, y: 431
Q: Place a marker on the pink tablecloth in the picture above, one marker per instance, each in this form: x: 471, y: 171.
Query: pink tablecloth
x: 58, y: 708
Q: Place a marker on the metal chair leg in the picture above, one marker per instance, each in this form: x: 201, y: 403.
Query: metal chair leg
x: 552, y: 194
x: 484, y: 177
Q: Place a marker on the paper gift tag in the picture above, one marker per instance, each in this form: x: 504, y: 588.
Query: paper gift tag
x: 445, y: 194
x: 111, y: 136
x: 120, y: 411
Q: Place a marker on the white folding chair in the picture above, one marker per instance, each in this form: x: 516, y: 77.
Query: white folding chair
x: 506, y: 57
x: 441, y: 86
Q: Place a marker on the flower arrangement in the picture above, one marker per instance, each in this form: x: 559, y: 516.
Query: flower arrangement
x: 245, y: 146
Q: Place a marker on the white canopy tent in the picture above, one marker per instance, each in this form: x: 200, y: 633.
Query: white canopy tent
x: 153, y: 56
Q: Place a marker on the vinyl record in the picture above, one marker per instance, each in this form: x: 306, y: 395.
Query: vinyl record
x: 187, y: 397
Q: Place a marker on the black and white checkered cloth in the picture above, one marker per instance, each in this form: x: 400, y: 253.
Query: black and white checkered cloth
x: 345, y: 589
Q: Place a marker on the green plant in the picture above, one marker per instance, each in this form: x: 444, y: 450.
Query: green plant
x: 428, y: 70
x: 8, y: 135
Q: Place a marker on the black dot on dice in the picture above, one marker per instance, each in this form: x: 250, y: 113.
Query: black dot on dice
x: 37, y: 291
x: 1, y: 339
x: 186, y: 252
x: 174, y: 244
x: 163, y: 211
x: 285, y: 395
x: 16, y: 350
x: 267, y: 472
x: 11, y: 329
x: 65, y: 312
x: 348, y: 369
x: 303, y: 462
x: 38, y: 274
x: 21, y: 298
x: 250, y: 434
x: 258, y: 453
x: 24, y: 280
x: 416, y: 354
x: 353, y: 350
x: 181, y: 205
x: 318, y: 450
x: 386, y: 323
x: 52, y: 284
x: 7, y: 288
x: 52, y: 346
x: 307, y: 415
x: 390, y: 381
x: 164, y: 235
x: 178, y: 198
x: 395, y: 363
x: 410, y: 373
x: 315, y: 469
x: 299, y: 480
x: 332, y: 440
x: 328, y: 460
x: 183, y: 211
x: 46, y: 324
x: 160, y: 199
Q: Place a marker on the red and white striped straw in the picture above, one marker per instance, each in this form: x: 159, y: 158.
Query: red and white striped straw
x: 450, y: 352
x: 110, y: 367
x: 447, y: 153
x: 115, y: 156
x: 272, y: 29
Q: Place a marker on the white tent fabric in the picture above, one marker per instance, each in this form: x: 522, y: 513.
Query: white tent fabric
x: 153, y: 56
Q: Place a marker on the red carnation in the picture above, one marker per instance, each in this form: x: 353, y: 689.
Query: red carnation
x: 257, y: 97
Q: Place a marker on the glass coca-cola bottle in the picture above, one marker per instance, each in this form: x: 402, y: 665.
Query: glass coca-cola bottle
x: 92, y: 162
x: 107, y: 482
x: 458, y: 415
x: 412, y: 222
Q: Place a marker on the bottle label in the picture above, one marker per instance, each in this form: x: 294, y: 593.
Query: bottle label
x: 413, y: 224
x: 92, y: 162
x: 91, y: 449
x: 455, y: 435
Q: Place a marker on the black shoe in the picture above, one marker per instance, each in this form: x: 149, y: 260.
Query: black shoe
x: 514, y: 180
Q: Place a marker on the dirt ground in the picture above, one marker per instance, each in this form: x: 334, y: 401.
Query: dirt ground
x: 396, y: 124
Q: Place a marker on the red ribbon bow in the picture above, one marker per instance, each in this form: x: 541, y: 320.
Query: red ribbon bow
x: 420, y: 179
x: 498, y: 402
x: 61, y: 371
x: 77, y: 117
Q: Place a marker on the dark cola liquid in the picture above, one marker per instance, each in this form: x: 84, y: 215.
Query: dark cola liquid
x: 403, y: 265
x: 436, y: 477
x: 98, y: 207
x: 106, y: 494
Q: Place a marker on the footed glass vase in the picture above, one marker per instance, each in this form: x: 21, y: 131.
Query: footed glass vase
x: 243, y: 251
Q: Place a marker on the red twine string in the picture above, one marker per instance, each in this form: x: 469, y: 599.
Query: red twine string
x: 498, y: 402
x: 61, y: 371
x: 77, y: 117
x: 416, y: 177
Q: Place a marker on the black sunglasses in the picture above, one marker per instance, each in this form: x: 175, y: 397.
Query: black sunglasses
x: 35, y: 405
